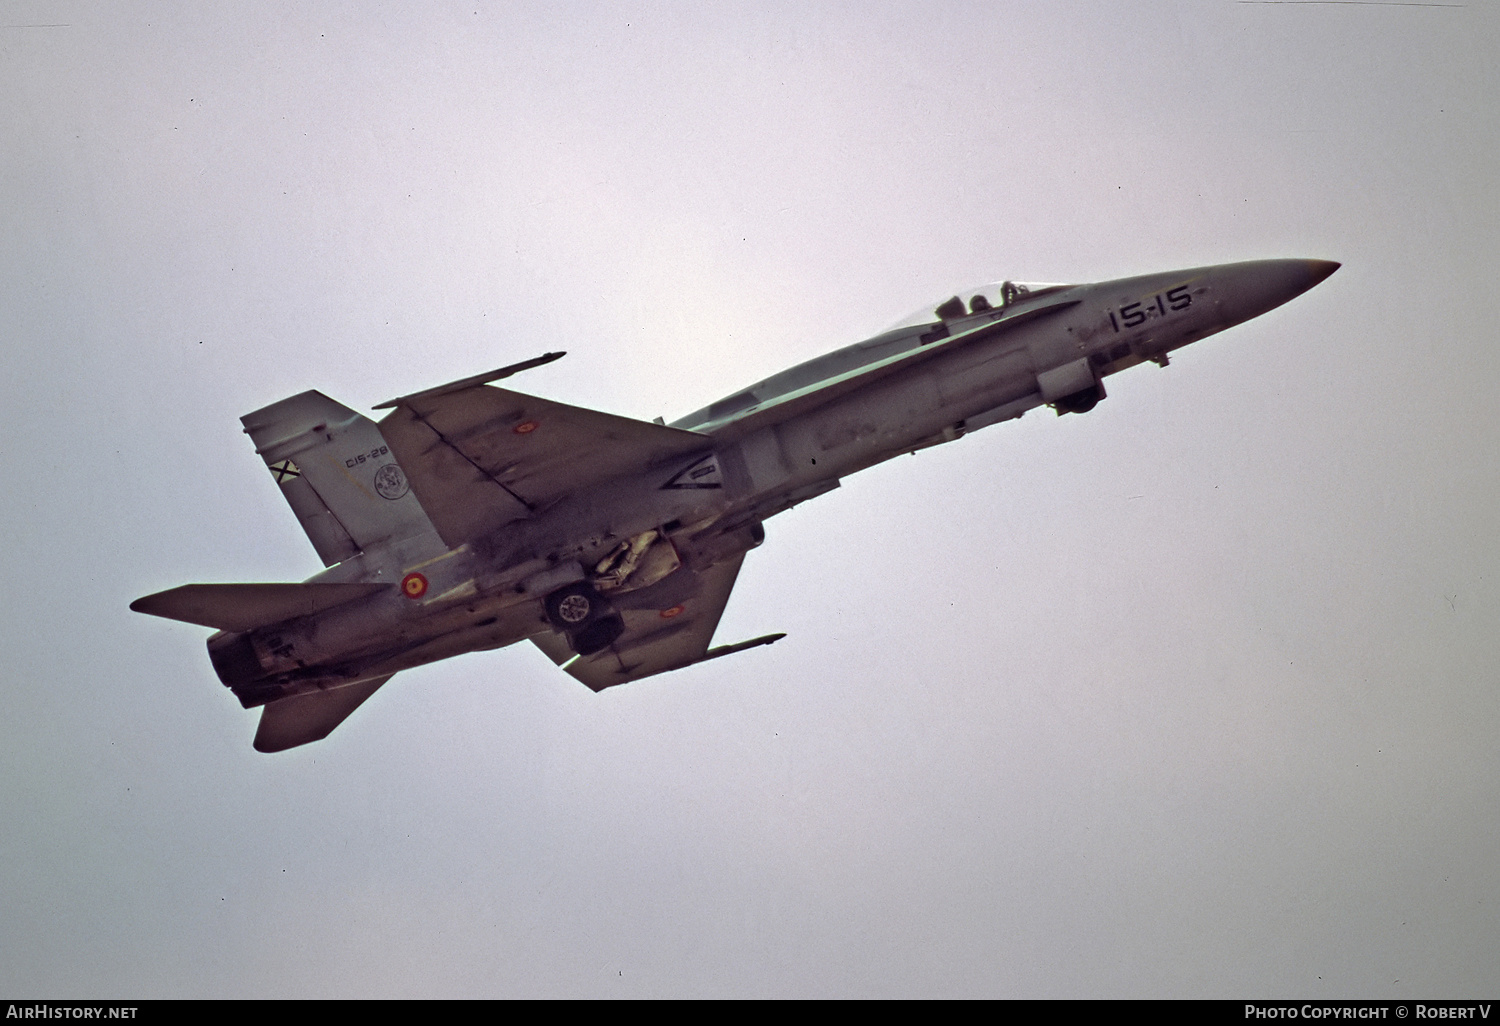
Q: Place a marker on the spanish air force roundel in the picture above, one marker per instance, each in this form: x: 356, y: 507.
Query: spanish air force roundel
x: 390, y: 482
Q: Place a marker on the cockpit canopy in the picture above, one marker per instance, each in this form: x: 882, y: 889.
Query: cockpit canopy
x: 981, y: 299
x: 899, y: 338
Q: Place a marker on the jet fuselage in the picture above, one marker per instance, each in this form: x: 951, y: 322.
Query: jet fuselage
x: 667, y: 520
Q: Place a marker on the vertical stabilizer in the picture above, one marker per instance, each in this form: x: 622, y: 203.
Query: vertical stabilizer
x: 337, y: 473
x: 289, y: 722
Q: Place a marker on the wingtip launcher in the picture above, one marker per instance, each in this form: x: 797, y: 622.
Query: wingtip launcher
x: 724, y: 650
x: 477, y: 379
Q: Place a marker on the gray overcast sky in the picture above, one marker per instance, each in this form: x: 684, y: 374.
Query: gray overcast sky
x: 1192, y: 696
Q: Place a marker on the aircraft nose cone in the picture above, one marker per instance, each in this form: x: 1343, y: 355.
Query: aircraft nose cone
x: 1276, y: 281
x: 1250, y: 289
x: 1317, y: 270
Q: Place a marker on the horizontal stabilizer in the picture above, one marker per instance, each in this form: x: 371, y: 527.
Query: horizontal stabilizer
x: 244, y: 607
x: 289, y: 722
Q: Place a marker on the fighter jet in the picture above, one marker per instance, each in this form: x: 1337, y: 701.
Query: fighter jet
x: 473, y: 517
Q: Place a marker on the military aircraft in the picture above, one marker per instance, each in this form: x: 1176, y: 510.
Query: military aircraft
x: 473, y: 517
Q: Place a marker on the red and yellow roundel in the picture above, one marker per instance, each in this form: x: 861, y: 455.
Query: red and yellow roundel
x: 414, y: 585
x: 667, y: 614
x: 526, y: 427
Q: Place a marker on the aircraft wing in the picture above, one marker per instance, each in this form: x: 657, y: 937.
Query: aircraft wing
x: 300, y: 719
x: 479, y: 457
x: 655, y: 640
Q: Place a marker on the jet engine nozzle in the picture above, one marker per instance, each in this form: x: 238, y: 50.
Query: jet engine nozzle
x: 235, y: 659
